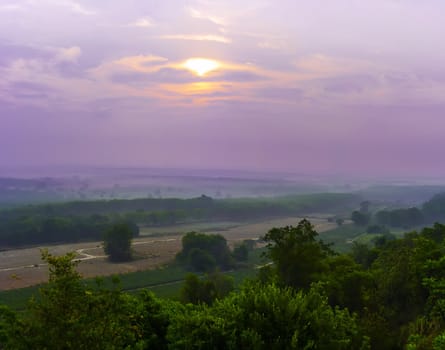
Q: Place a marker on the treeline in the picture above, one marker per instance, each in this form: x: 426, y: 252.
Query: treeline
x: 386, y: 297
x: 80, y: 221
x: 38, y: 229
x: 221, y: 208
x: 406, y: 218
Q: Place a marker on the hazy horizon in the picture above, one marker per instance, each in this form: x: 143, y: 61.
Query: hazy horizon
x: 345, y: 88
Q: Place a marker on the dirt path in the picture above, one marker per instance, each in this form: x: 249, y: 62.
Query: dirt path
x: 23, y: 267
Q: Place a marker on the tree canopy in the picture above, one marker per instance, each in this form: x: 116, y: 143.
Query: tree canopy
x: 117, y: 241
x: 298, y: 256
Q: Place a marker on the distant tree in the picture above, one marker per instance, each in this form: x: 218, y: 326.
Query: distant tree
x: 339, y: 221
x: 383, y: 217
x: 241, y: 252
x: 364, y: 207
x: 250, y: 244
x: 200, y: 260
x: 377, y: 229
x: 434, y: 209
x: 381, y: 240
x: 359, y: 218
x: 203, y: 252
x: 435, y: 233
x: 298, y: 256
x: 117, y: 242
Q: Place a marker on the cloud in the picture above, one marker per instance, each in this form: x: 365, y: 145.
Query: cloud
x: 163, y: 75
x: 11, y: 7
x: 74, y: 7
x: 28, y: 90
x: 143, y: 22
x: 272, y: 44
x: 126, y: 68
x: 238, y: 76
x: 280, y: 93
x: 70, y: 54
x: 198, y: 37
x: 11, y: 52
x: 349, y: 84
x: 71, y: 5
x: 194, y: 13
x: 319, y: 65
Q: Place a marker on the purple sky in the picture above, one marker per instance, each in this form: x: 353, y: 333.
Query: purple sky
x: 344, y: 86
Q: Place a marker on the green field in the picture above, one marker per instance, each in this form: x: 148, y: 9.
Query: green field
x: 342, y: 236
x: 164, y: 282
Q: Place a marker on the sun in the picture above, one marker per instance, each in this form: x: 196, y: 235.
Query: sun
x: 201, y: 66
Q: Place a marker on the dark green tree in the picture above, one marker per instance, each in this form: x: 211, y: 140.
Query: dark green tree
x: 214, y: 286
x: 117, y: 242
x: 203, y: 252
x: 68, y: 315
x: 241, y: 252
x: 266, y: 317
x: 359, y: 218
x: 299, y: 258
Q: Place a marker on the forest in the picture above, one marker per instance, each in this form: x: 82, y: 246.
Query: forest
x: 390, y: 296
x: 429, y: 212
x: 87, y: 220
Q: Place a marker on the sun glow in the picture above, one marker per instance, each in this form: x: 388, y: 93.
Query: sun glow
x: 201, y: 66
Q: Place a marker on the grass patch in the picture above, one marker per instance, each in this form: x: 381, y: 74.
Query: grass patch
x: 18, y: 298
x: 165, y: 282
x: 342, y: 237
x: 142, y: 279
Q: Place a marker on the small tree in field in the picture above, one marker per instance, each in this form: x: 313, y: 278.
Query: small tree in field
x: 117, y: 242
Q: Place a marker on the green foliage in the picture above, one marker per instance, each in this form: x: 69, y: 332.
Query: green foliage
x: 381, y: 240
x: 434, y: 209
x: 340, y: 237
x: 387, y: 297
x: 69, y: 316
x: 339, y: 221
x: 405, y: 218
x: 435, y: 233
x: 200, y: 260
x: 347, y: 283
x: 117, y: 242
x: 204, y: 253
x: 362, y: 254
x: 359, y: 218
x: 298, y: 257
x: 266, y: 317
x: 241, y: 252
x: 377, y: 229
x: 207, y: 290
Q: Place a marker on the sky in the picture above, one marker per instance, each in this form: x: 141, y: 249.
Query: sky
x: 348, y: 87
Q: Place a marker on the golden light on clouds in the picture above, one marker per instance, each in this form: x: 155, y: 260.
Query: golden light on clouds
x: 201, y: 66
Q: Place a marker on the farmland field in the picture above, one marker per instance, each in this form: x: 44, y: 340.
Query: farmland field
x: 22, y: 267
